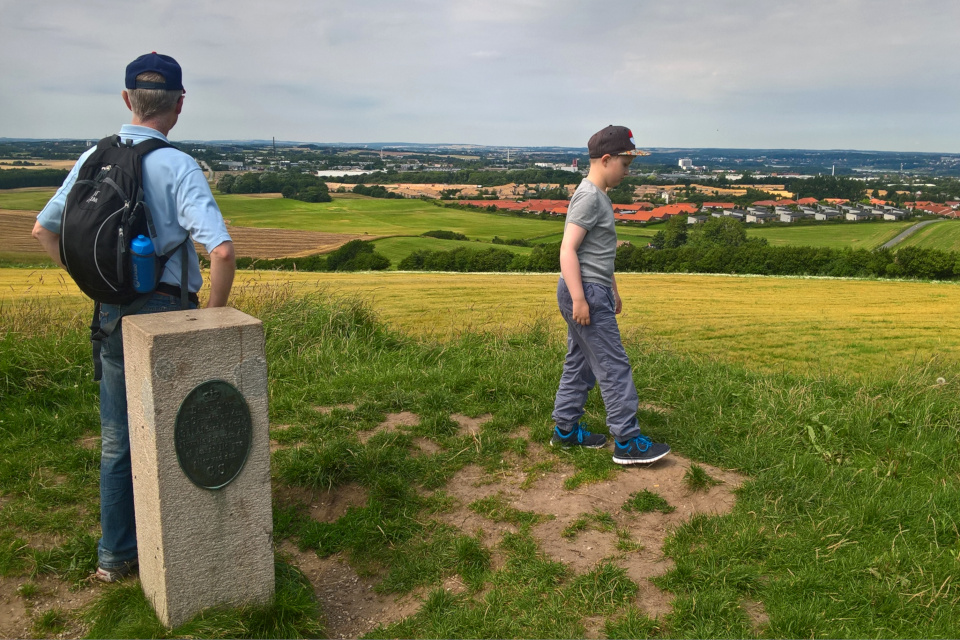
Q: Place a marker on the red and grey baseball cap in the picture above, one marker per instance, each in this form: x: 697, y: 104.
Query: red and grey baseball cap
x: 158, y: 63
x: 614, y: 141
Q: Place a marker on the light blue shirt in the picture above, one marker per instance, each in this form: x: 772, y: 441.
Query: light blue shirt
x: 179, y: 198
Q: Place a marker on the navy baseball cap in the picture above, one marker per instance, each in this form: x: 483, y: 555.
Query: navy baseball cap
x: 158, y: 63
x: 615, y: 141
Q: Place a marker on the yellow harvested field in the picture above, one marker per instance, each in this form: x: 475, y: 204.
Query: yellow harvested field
x: 841, y: 326
x: 38, y: 163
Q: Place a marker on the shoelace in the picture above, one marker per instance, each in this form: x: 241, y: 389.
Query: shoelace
x: 643, y: 442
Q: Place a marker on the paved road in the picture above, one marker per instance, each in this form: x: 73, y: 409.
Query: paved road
x: 907, y: 232
x: 207, y: 169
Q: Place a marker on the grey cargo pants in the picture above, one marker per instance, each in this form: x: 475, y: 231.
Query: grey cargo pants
x: 595, y: 353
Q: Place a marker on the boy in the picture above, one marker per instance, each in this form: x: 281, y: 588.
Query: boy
x: 589, y: 301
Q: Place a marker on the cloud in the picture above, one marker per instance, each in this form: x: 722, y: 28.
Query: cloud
x: 818, y: 73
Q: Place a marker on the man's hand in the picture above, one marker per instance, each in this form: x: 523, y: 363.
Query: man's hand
x: 581, y: 312
x: 618, y: 303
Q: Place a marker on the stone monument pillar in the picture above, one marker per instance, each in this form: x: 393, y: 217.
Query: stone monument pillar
x: 197, y: 403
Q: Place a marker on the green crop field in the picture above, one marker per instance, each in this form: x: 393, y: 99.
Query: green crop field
x: 31, y: 199
x: 859, y: 235
x: 634, y: 234
x: 942, y: 235
x: 377, y: 217
x: 399, y: 247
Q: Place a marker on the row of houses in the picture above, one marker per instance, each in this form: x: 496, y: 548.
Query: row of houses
x: 760, y: 212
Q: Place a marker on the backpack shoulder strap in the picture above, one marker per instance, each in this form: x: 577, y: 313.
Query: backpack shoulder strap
x: 152, y: 144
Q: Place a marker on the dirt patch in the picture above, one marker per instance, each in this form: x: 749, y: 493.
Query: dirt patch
x: 593, y: 627
x: 323, y: 506
x: 426, y: 445
x: 392, y: 423
x: 654, y: 602
x: 585, y: 550
x: 470, y: 426
x: 91, y: 443
x: 757, y: 613
x: 326, y: 410
x: 348, y: 601
x: 17, y: 613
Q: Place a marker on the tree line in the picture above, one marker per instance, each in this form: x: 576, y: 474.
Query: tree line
x: 290, y: 184
x: 355, y: 255
x: 717, y: 246
x: 20, y: 178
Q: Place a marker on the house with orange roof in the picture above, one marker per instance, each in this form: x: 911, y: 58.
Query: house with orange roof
x: 836, y: 200
x: 639, y: 216
x: 934, y: 208
x: 667, y: 211
x: 636, y: 206
x: 807, y: 202
x: 718, y: 205
x: 773, y: 203
x: 545, y: 205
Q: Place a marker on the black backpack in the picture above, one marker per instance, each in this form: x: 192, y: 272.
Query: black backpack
x: 104, y: 211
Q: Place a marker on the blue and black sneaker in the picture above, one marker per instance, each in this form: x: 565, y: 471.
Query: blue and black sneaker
x: 639, y: 450
x: 578, y: 437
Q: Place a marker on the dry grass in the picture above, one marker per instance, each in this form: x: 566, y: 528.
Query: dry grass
x: 768, y: 323
x: 39, y: 163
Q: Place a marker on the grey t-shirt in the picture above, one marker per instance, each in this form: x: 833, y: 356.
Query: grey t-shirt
x: 591, y: 209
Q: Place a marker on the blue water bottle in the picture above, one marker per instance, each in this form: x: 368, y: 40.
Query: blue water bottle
x: 144, y: 264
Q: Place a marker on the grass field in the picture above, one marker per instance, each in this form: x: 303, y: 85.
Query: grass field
x: 378, y: 217
x: 771, y: 324
x: 634, y: 234
x: 942, y: 235
x: 399, y: 247
x: 860, y: 235
x: 362, y: 215
x: 29, y: 199
x: 455, y: 517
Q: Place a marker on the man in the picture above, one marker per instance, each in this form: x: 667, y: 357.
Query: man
x: 180, y: 200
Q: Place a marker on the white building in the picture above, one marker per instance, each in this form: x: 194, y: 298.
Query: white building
x: 685, y: 163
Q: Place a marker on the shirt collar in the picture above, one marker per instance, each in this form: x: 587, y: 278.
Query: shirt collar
x: 139, y: 130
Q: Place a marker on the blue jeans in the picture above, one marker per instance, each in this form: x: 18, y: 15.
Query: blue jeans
x: 595, y: 353
x: 118, y: 542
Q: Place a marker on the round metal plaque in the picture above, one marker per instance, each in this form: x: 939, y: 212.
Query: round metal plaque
x: 212, y: 434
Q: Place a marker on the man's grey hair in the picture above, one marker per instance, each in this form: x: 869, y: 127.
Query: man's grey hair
x: 150, y: 103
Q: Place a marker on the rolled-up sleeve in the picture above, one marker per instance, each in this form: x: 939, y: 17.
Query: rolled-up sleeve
x: 198, y: 213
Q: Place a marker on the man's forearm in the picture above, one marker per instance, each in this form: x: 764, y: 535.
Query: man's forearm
x: 50, y: 242
x: 223, y: 266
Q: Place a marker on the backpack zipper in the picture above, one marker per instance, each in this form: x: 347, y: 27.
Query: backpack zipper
x: 120, y: 254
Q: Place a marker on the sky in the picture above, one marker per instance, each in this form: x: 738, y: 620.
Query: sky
x: 793, y: 74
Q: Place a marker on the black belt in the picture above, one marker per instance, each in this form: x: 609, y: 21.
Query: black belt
x: 170, y: 290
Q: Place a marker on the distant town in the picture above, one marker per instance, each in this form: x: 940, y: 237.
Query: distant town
x: 757, y: 187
